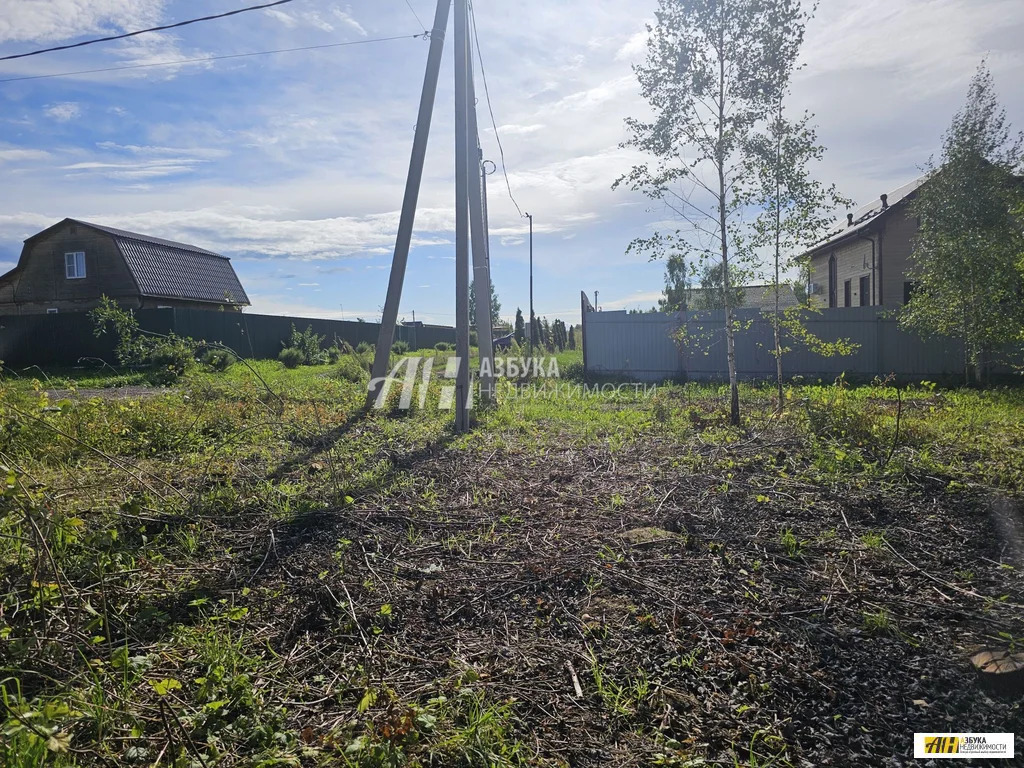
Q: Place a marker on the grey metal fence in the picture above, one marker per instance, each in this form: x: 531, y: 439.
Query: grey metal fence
x: 691, y: 345
x: 65, y: 339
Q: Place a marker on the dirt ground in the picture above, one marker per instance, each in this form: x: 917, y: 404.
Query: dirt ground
x: 638, y: 613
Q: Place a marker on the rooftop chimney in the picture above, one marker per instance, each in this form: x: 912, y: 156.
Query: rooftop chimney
x: 849, y: 219
x: 885, y: 202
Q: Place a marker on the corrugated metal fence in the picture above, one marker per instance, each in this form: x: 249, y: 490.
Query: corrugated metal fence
x: 691, y: 345
x: 64, y: 339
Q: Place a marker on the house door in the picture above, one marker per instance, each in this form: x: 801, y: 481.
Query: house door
x: 865, y: 291
x: 833, y: 283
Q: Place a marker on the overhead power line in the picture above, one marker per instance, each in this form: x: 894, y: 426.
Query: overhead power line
x: 490, y: 109
x: 144, y: 31
x: 178, y: 62
x: 418, y: 20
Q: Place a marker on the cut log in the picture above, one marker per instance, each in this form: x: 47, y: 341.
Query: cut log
x: 1001, y: 670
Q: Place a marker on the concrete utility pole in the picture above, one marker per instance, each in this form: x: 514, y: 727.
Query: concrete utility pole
x: 386, y: 337
x: 481, y: 260
x: 462, y: 184
x: 532, y: 319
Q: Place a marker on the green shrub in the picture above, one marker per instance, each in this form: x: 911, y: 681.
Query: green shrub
x: 363, y: 347
x: 574, y: 372
x: 334, y: 354
x: 217, y: 359
x: 351, y: 368
x: 443, y: 346
x: 400, y: 347
x: 291, y: 357
x: 169, y: 356
x: 309, y: 344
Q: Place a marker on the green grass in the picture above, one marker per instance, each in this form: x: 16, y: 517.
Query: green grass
x: 135, y: 532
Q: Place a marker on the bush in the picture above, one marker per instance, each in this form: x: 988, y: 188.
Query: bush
x: 363, y: 347
x: 400, y: 347
x: 443, y: 346
x: 170, y: 356
x: 574, y: 372
x: 334, y: 354
x: 309, y: 344
x: 291, y: 357
x: 351, y: 368
x: 217, y: 359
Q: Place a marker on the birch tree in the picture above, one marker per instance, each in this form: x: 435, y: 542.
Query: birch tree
x: 713, y: 69
x: 966, y: 261
x: 796, y: 209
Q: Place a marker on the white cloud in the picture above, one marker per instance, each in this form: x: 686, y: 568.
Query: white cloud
x: 260, y: 232
x: 345, y: 17
x: 639, y: 299
x: 519, y: 130
x: 198, y: 153
x: 41, y: 20
x: 600, y: 94
x: 635, y: 49
x: 274, y: 304
x: 23, y: 155
x: 63, y: 111
x: 154, y: 169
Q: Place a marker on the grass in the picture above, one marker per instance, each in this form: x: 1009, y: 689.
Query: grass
x: 247, y: 569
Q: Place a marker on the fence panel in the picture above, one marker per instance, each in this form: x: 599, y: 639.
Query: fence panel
x: 693, y: 345
x: 639, y: 346
x: 67, y: 338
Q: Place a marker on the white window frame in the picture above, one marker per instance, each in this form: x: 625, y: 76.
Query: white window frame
x: 74, y: 265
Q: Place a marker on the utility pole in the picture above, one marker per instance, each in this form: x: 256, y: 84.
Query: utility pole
x: 478, y: 229
x: 462, y: 183
x: 532, y: 319
x: 386, y: 336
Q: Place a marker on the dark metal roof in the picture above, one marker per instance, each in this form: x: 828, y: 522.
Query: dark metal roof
x: 868, y: 215
x: 169, y: 270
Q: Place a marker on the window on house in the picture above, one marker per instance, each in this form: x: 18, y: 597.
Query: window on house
x: 74, y: 265
x: 833, y: 300
x: 908, y: 291
x: 848, y: 293
x: 52, y: 311
x: 865, y: 291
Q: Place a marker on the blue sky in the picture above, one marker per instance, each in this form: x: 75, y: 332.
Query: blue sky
x: 294, y: 164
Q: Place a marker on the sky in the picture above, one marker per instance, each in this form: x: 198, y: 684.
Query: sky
x: 294, y: 164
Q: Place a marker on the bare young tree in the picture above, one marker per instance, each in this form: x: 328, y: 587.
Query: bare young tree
x: 795, y: 208
x: 713, y: 71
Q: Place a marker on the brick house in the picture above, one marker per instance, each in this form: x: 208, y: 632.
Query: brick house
x: 69, y: 266
x: 865, y: 262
